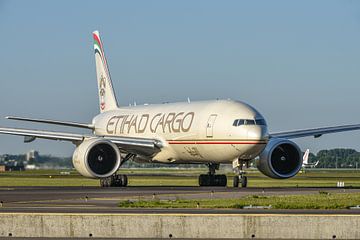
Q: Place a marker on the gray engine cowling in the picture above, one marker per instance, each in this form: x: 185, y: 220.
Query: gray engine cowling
x: 280, y: 159
x: 96, y: 158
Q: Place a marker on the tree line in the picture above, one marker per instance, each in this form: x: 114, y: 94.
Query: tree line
x: 336, y: 158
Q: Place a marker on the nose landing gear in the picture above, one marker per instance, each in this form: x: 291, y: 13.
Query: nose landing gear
x: 211, y: 179
x: 240, y: 178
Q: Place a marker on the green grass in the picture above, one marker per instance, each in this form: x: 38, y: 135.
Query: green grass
x: 321, y: 200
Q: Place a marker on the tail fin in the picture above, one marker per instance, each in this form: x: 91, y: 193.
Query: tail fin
x: 107, y: 98
x: 306, y: 156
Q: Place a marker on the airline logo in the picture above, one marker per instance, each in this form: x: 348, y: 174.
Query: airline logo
x: 161, y: 122
x: 102, y: 86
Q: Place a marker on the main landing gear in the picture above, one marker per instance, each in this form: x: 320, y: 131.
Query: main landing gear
x: 240, y: 178
x: 117, y: 180
x: 211, y: 179
x: 114, y: 181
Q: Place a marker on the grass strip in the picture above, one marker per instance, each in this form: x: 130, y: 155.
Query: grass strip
x: 321, y: 200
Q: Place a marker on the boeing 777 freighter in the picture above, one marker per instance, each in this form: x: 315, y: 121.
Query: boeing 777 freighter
x: 208, y: 132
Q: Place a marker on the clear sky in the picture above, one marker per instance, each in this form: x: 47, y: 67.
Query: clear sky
x: 297, y: 62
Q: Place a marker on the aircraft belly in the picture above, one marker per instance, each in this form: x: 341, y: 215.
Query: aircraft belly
x: 205, y: 152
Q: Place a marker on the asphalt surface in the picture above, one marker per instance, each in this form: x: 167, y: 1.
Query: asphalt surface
x: 105, y: 200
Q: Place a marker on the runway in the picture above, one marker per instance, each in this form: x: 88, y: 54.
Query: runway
x: 105, y: 200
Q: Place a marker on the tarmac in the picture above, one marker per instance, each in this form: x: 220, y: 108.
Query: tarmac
x: 105, y: 200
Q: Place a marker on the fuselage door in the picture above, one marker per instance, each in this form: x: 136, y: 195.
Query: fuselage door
x: 210, y: 125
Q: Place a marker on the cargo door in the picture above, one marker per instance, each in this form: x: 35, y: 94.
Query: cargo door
x: 210, y: 125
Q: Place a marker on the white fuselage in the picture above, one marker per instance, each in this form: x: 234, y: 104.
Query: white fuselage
x: 191, y: 132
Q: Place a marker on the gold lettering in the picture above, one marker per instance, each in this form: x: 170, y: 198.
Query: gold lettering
x: 141, y: 128
x: 187, y: 122
x: 177, y: 120
x: 152, y: 129
x: 112, y: 121
x: 123, y: 123
x: 117, y: 124
x: 127, y: 122
x: 169, y: 119
x: 133, y: 124
x: 160, y: 122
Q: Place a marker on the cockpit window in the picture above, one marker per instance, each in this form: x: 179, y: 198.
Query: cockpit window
x: 249, y: 122
x: 260, y: 122
x: 235, y: 122
x: 239, y: 122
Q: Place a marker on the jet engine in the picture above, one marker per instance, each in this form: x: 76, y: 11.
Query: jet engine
x: 96, y: 158
x: 280, y: 159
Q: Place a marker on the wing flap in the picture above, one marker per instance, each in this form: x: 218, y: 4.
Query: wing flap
x: 316, y: 132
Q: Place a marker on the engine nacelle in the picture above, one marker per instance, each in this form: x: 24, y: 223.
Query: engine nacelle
x: 280, y: 159
x: 96, y: 158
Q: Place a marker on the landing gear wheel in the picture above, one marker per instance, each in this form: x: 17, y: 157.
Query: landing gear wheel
x: 240, y: 177
x: 124, y: 180
x: 212, y: 180
x: 244, y: 182
x: 236, y: 181
x: 204, y: 180
x: 104, y: 182
x: 114, y: 181
x: 240, y: 180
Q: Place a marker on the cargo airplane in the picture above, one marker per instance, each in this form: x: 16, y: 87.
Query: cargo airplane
x: 204, y: 132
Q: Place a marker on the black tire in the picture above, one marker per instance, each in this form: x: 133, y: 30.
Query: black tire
x: 124, y: 180
x: 236, y: 181
x: 222, y: 180
x: 104, y: 182
x: 244, y: 182
x: 111, y: 181
x: 204, y: 180
x: 117, y: 180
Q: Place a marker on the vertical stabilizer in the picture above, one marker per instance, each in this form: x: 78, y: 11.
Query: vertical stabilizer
x: 306, y: 157
x: 107, y: 98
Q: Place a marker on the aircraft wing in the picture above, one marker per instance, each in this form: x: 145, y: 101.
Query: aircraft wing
x: 315, y: 132
x: 142, y: 146
x: 32, y: 134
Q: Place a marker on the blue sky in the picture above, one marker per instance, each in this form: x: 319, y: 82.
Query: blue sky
x: 297, y: 62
